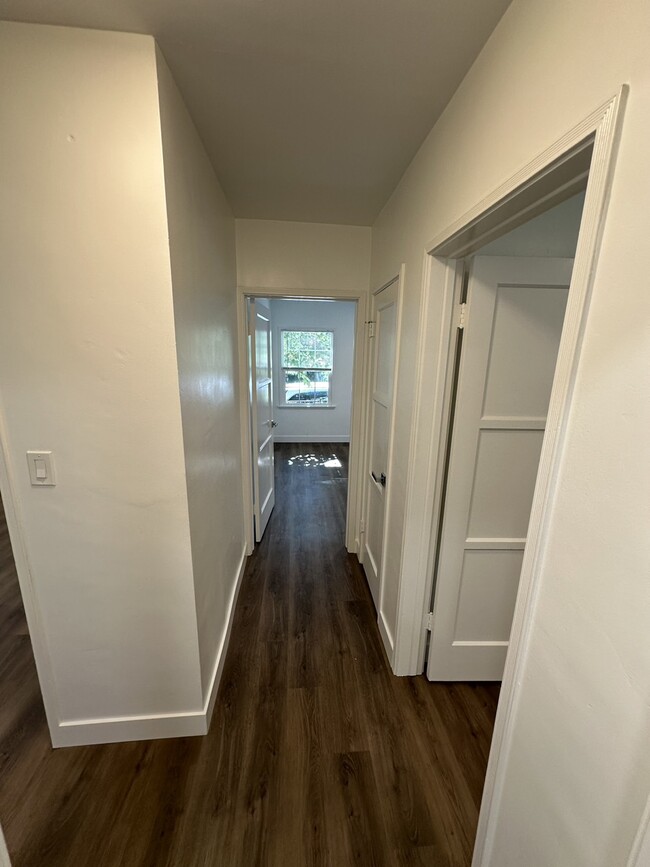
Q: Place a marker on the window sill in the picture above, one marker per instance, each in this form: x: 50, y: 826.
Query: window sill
x: 303, y: 407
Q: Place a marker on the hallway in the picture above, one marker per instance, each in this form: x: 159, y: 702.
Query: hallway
x: 317, y: 754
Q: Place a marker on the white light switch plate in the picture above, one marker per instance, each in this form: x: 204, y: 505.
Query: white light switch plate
x: 41, y: 468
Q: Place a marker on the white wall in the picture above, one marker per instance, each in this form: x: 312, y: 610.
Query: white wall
x: 553, y: 234
x: 316, y: 424
x: 88, y: 369
x: 278, y: 255
x: 578, y: 773
x: 202, y: 248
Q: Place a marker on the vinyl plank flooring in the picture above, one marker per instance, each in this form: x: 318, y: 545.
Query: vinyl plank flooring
x: 355, y: 799
x: 317, y: 755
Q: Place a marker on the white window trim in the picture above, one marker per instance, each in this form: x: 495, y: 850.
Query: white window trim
x: 280, y: 374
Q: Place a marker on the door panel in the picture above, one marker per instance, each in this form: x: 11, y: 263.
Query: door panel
x: 374, y: 538
x: 504, y: 481
x: 382, y: 366
x: 515, y: 311
x: 488, y: 588
x: 261, y: 415
x: 523, y: 350
x: 379, y: 455
x: 386, y: 325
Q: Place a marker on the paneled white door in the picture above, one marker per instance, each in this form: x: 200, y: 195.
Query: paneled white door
x: 513, y: 322
x: 262, y: 424
x: 382, y: 366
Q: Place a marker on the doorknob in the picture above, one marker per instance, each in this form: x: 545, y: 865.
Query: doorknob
x: 381, y: 480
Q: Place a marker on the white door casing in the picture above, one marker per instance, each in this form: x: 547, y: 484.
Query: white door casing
x: 513, y: 323
x: 383, y: 343
x: 262, y: 424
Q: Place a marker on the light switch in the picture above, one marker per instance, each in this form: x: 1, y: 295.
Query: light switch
x: 41, y: 468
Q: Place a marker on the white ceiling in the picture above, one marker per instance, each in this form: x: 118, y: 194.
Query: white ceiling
x: 309, y: 109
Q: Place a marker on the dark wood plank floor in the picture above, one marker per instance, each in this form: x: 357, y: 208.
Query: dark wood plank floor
x: 317, y: 754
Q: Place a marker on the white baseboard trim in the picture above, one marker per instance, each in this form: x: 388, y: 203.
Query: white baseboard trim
x: 386, y: 637
x: 112, y: 730
x: 316, y: 438
x: 75, y: 733
x: 223, y: 647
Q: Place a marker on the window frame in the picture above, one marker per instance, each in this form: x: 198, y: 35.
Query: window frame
x: 281, y: 390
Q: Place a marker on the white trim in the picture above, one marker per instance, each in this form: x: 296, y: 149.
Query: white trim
x: 427, y: 438
x: 111, y: 730
x: 108, y: 730
x: 386, y: 636
x: 313, y: 438
x: 357, y: 420
x: 513, y: 206
x: 223, y: 647
x: 290, y: 293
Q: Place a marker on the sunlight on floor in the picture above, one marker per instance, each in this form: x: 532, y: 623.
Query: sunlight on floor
x: 314, y: 461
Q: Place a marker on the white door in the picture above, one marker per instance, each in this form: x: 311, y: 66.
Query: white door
x: 382, y: 366
x: 262, y: 424
x: 514, y: 315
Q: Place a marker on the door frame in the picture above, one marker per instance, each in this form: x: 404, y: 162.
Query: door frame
x: 358, y: 415
x: 554, y: 175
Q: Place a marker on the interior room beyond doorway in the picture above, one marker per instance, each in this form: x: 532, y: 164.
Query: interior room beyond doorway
x: 312, y: 404
x: 303, y: 378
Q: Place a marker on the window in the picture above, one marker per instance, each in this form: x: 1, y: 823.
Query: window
x: 306, y: 362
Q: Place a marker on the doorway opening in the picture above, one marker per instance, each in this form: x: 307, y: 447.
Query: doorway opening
x: 303, y: 360
x: 289, y: 393
x: 581, y: 161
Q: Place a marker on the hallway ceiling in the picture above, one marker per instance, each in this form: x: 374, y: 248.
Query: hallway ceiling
x: 309, y: 110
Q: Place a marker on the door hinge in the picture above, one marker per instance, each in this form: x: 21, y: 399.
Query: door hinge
x: 428, y: 621
x: 462, y: 315
x: 362, y: 527
x: 371, y: 328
